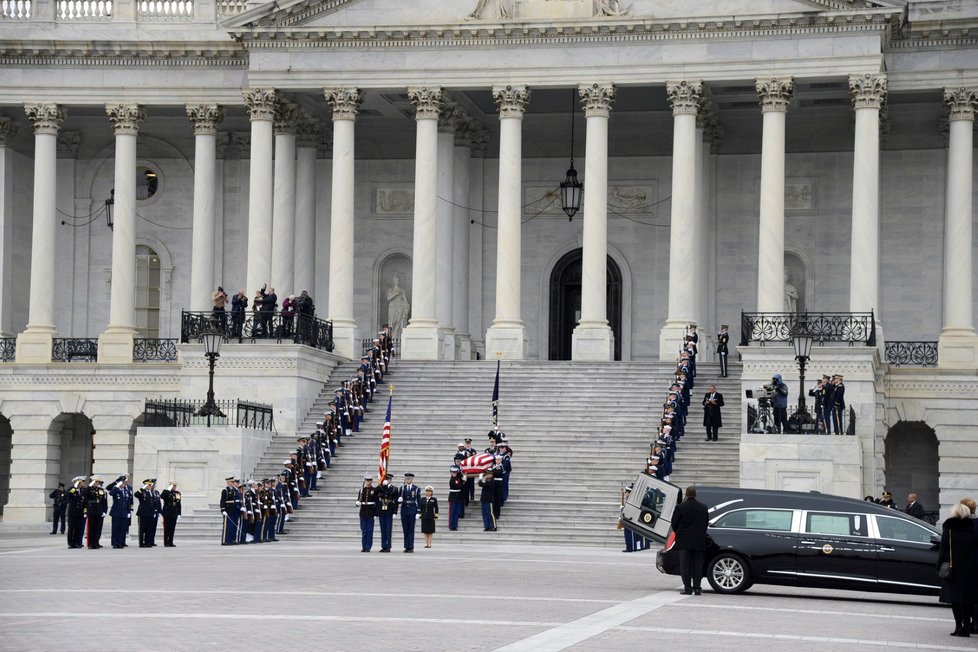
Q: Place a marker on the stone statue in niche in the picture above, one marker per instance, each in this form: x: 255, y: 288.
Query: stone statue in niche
x: 491, y: 9
x: 790, y: 294
x: 398, y: 308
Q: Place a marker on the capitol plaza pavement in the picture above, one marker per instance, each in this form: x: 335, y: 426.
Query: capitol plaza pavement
x: 200, y: 596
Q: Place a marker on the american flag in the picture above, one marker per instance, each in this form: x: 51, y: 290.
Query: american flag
x: 495, y: 400
x: 477, y: 464
x: 385, y: 444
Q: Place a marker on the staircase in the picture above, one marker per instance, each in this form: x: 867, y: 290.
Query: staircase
x: 578, y: 432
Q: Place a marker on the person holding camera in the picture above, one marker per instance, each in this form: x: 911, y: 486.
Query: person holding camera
x: 779, y: 402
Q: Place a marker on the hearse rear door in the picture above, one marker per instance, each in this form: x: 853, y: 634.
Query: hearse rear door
x: 650, y: 506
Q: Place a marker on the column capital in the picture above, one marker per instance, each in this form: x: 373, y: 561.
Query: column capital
x: 288, y: 115
x: 511, y: 100
x: 308, y: 133
x: 261, y: 103
x: 775, y: 94
x: 125, y: 118
x: 427, y: 101
x: 205, y: 118
x: 867, y: 91
x: 960, y: 103
x: 68, y: 142
x: 597, y: 99
x: 45, y: 118
x: 345, y: 102
x: 8, y: 129
x: 685, y: 97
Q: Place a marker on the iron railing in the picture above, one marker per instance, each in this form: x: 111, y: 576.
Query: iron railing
x: 8, y: 349
x: 366, y: 343
x: 253, y: 327
x: 148, y: 349
x: 70, y: 349
x: 843, y: 327
x: 760, y: 420
x: 182, y: 413
x: 913, y: 354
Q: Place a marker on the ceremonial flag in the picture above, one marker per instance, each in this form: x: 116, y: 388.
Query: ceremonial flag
x: 385, y: 444
x: 477, y: 464
x: 495, y: 400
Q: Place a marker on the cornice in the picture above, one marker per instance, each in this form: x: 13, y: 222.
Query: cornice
x: 125, y: 54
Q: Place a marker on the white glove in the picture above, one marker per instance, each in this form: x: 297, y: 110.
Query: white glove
x: 104, y: 514
x: 358, y: 503
x: 223, y: 513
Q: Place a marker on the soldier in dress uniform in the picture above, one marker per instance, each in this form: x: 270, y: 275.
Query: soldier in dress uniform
x: 456, y: 499
x: 230, y: 513
x: 839, y: 405
x: 121, y: 510
x: 469, y: 482
x: 148, y: 512
x: 367, y: 502
x: 828, y: 404
x: 507, y: 464
x: 269, y: 510
x: 486, y: 497
x: 387, y: 496
x: 253, y: 513
x: 170, y: 499
x: 60, y: 498
x: 723, y: 350
x: 818, y: 393
x: 96, y: 507
x: 76, y: 512
x: 408, y: 502
x: 283, y: 503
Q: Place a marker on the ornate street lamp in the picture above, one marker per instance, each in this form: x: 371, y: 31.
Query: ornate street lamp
x: 212, y: 339
x: 109, y: 206
x: 571, y: 190
x: 802, y: 342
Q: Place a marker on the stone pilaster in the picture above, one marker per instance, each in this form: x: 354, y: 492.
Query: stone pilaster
x: 8, y: 130
x: 204, y: 118
x: 307, y: 139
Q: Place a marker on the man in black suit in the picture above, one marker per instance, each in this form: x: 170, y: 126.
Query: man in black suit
x: 914, y: 508
x: 712, y: 403
x: 690, y: 522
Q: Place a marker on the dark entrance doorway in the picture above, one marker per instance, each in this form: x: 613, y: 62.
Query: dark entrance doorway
x: 565, y: 303
x: 912, y: 460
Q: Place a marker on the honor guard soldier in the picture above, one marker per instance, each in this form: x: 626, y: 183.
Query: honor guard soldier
x: 148, y: 512
x: 386, y: 508
x: 283, y: 504
x: 230, y: 513
x: 76, y: 512
x: 507, y: 464
x: 253, y: 514
x: 456, y: 489
x: 292, y: 479
x: 367, y: 502
x: 828, y: 403
x: 408, y: 502
x: 170, y: 498
x: 96, y: 507
x: 486, y: 497
x: 470, y: 481
x: 60, y: 498
x: 302, y: 467
x: 818, y: 393
x: 269, y: 511
x: 839, y: 404
x: 121, y: 510
x: 723, y: 350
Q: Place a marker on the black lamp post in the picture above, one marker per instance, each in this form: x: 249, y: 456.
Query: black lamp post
x: 109, y: 207
x: 802, y: 342
x: 571, y: 190
x: 212, y: 339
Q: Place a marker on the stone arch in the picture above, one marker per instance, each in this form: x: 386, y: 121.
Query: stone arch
x: 390, y: 263
x: 911, y: 460
x: 166, y: 282
x: 6, y: 445
x: 76, y: 451
x: 543, y: 320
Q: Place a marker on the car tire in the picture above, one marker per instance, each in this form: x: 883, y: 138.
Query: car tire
x: 729, y: 573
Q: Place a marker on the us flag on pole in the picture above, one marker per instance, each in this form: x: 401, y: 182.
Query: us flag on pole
x: 495, y: 400
x: 385, y: 444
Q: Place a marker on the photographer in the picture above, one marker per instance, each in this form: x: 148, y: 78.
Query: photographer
x: 219, y: 315
x: 780, y: 403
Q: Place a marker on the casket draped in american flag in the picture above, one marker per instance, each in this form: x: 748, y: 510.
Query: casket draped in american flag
x: 477, y: 464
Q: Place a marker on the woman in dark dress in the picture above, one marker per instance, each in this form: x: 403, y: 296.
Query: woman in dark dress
x: 958, y: 542
x: 429, y: 512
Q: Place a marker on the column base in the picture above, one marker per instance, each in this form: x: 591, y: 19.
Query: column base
x: 420, y: 340
x: 346, y: 339
x: 449, y: 343
x: 115, y: 346
x: 506, y: 341
x: 465, y: 350
x: 593, y: 342
x: 671, y: 339
x: 34, y: 345
x: 956, y: 349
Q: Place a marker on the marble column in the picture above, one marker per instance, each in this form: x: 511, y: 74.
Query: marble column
x: 685, y: 98
x: 477, y: 232
x: 774, y: 95
x: 115, y: 344
x: 460, y: 247
x: 8, y: 129
x: 261, y: 104
x: 697, y: 271
x: 448, y: 120
x: 287, y: 117
x: 506, y: 338
x: 592, y: 338
x: 34, y: 344
x: 307, y: 140
x: 345, y: 103
x: 958, y: 344
x: 420, y: 338
x: 205, y: 118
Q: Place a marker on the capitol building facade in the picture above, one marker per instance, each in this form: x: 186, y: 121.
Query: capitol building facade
x: 742, y: 161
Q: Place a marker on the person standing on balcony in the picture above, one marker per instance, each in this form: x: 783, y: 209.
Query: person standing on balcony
x: 780, y: 404
x: 269, y: 303
x: 239, y: 303
x: 219, y: 316
x: 839, y: 402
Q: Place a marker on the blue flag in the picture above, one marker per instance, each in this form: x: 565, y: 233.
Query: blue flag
x: 495, y: 400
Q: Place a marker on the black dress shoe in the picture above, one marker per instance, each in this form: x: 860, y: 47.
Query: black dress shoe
x: 685, y: 592
x: 697, y: 592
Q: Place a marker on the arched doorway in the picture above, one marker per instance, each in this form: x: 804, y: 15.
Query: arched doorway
x: 6, y: 443
x: 77, y: 445
x: 565, y: 303
x: 911, y: 458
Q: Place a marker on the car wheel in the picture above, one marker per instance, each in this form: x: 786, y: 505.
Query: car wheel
x: 729, y: 573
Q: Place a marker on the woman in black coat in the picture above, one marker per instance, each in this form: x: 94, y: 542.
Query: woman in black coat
x: 429, y: 512
x: 958, y: 543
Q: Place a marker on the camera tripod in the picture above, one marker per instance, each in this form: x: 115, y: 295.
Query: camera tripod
x: 763, y: 419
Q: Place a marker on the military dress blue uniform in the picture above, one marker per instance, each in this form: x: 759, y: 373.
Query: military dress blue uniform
x: 456, y: 499
x: 121, y: 509
x: 148, y: 513
x: 230, y: 513
x: 76, y: 513
x: 723, y: 349
x: 408, y: 502
x: 367, y: 502
x: 386, y: 508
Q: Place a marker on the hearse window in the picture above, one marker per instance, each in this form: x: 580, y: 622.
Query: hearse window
x: 901, y: 530
x: 756, y: 519
x: 653, y: 500
x: 846, y: 525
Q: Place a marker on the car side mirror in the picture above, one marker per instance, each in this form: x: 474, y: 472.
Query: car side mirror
x: 936, y: 540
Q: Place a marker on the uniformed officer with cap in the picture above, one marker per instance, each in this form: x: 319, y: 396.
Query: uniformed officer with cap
x: 170, y: 498
x: 76, y: 512
x: 408, y: 503
x: 367, y: 502
x: 148, y: 512
x: 121, y: 509
x: 723, y: 350
x: 230, y: 513
x: 470, y: 451
x: 96, y: 507
x: 456, y: 489
x: 386, y: 508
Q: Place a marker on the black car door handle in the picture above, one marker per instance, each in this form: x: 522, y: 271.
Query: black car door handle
x: 885, y: 549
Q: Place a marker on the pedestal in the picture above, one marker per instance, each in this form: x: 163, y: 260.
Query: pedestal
x: 464, y: 346
x: 593, y: 343
x: 115, y: 346
x: 954, y: 350
x: 34, y: 345
x: 671, y: 339
x: 505, y: 341
x: 449, y: 343
x: 346, y: 339
x: 421, y: 341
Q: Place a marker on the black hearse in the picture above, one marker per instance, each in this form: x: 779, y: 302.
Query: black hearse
x: 794, y: 539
